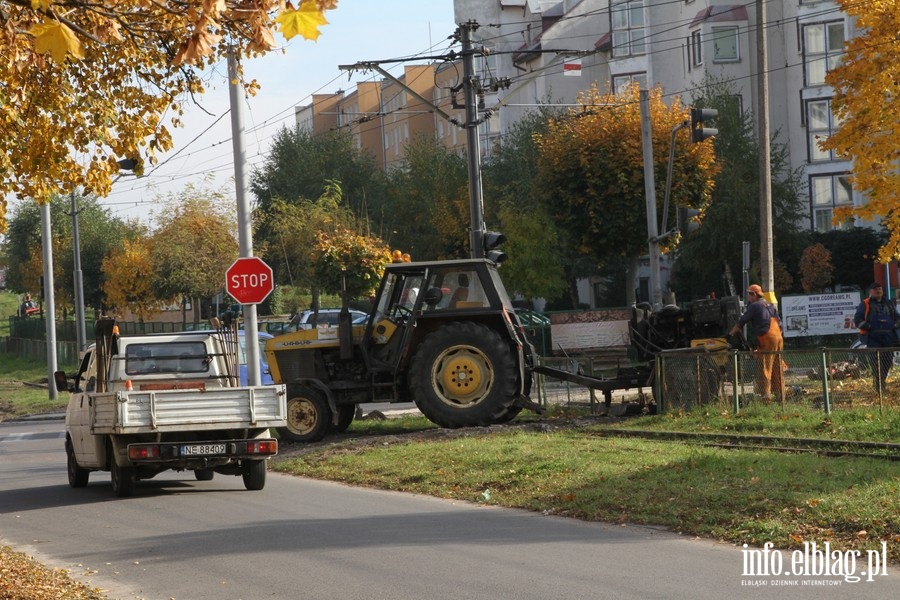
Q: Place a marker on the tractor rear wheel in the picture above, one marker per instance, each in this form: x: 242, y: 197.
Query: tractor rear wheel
x: 308, y: 415
x: 464, y: 375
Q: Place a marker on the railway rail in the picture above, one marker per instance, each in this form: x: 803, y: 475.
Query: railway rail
x: 835, y: 448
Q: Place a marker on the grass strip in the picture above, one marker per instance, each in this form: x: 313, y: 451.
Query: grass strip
x: 739, y: 496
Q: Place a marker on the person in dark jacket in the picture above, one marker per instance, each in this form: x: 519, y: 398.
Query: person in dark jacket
x: 877, y: 320
x: 763, y: 319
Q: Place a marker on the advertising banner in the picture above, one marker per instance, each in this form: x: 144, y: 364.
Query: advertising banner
x: 819, y: 314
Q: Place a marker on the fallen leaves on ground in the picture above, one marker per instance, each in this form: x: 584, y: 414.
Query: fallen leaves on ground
x: 22, y: 578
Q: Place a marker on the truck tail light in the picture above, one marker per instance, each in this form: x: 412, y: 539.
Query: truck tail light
x: 143, y: 451
x: 262, y: 447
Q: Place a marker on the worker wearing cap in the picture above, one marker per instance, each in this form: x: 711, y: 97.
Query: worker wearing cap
x: 763, y: 318
x: 877, y: 321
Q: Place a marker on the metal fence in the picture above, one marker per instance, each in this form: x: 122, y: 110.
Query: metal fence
x: 825, y: 379
x: 36, y: 350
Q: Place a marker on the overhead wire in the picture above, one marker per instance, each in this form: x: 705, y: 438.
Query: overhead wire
x: 222, y: 162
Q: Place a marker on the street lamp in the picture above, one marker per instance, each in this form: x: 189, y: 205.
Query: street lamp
x: 126, y: 164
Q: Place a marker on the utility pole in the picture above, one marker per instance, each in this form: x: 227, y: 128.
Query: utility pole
x: 49, y: 300
x: 470, y: 85
x: 245, y: 232
x: 650, y: 193
x: 80, y: 335
x: 766, y: 246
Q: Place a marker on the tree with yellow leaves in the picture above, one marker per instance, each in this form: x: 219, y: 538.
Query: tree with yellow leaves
x: 130, y: 283
x: 590, y: 164
x: 867, y: 105
x: 83, y: 84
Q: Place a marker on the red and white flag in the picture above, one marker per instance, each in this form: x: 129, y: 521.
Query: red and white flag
x: 572, y: 67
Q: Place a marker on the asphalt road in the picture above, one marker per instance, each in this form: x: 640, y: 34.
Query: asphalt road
x: 299, y: 538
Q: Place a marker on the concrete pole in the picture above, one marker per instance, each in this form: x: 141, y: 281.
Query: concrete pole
x: 650, y: 193
x: 80, y: 333
x: 473, y: 149
x: 49, y: 308
x: 766, y: 246
x: 245, y: 229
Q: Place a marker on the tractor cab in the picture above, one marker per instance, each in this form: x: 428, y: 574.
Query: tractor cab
x: 416, y: 298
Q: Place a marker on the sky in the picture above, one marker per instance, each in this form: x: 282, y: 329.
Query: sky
x: 358, y: 30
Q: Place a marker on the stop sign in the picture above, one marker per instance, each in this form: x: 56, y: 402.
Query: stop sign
x: 249, y: 280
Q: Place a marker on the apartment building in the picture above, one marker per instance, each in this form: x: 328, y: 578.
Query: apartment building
x: 384, y: 115
x: 675, y: 44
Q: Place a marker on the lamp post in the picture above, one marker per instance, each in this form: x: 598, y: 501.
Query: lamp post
x: 126, y: 164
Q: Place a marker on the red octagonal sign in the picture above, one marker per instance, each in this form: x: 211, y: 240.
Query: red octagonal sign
x: 249, y: 280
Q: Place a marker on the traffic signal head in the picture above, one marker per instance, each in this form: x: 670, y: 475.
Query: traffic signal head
x: 492, y: 239
x: 698, y: 117
x: 687, y: 220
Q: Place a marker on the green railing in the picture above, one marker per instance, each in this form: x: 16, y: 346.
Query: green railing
x: 824, y: 379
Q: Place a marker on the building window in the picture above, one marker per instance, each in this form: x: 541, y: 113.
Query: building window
x: 696, y: 49
x: 621, y: 84
x: 823, y: 48
x: 820, y: 125
x: 725, y: 44
x: 629, y: 37
x: 827, y: 193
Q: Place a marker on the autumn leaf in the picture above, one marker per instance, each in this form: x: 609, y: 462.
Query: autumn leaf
x: 304, y: 21
x: 56, y: 39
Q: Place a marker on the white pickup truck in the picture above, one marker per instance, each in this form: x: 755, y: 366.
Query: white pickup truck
x: 141, y: 405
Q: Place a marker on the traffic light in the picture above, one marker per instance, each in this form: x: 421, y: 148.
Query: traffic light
x: 698, y: 117
x: 492, y: 239
x: 687, y: 220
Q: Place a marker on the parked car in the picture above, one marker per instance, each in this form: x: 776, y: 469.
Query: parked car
x: 328, y: 316
x: 265, y: 375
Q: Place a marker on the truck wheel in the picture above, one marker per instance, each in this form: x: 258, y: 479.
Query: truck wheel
x: 346, y: 413
x: 308, y: 415
x: 122, y: 478
x: 204, y: 474
x: 464, y: 375
x: 254, y: 474
x: 78, y: 477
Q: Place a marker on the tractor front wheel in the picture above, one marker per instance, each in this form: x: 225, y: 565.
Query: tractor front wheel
x: 308, y: 415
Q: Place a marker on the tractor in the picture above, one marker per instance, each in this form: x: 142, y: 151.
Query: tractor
x: 441, y: 334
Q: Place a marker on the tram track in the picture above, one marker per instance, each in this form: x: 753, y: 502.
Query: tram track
x: 831, y: 448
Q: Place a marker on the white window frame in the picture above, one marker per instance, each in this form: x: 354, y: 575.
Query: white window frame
x: 696, y: 48
x: 826, y: 193
x: 818, y: 61
x: 626, y: 80
x: 628, y: 23
x: 819, y: 128
x: 729, y: 32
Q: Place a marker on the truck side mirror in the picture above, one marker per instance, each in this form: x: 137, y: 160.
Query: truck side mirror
x: 61, y: 381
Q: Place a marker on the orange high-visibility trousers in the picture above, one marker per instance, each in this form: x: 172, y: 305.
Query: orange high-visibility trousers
x: 770, y: 375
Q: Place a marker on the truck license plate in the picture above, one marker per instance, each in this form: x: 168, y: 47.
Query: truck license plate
x: 202, y: 449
